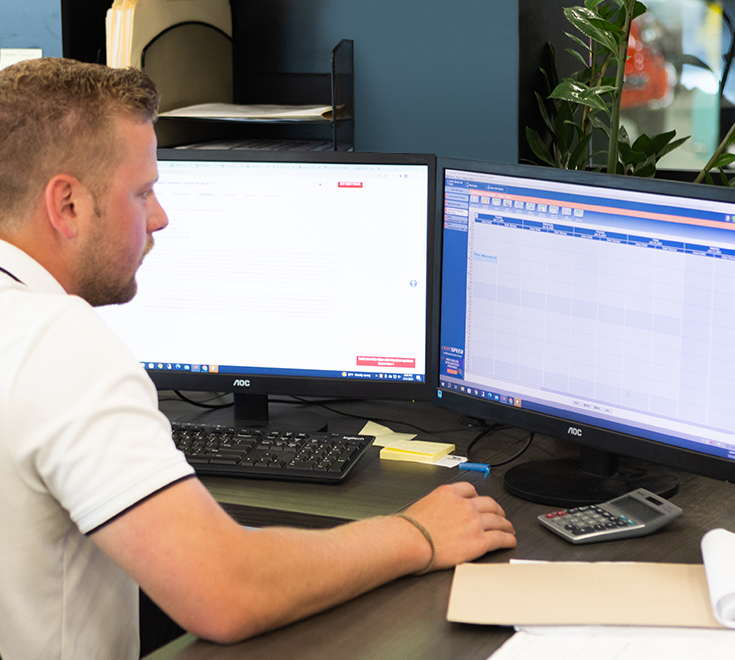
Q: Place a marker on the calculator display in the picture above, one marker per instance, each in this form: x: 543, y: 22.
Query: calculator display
x: 636, y: 508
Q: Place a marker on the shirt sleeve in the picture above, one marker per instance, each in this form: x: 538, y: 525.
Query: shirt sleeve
x: 87, y: 412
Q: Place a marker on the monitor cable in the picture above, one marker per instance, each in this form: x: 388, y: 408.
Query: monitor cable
x: 493, y: 429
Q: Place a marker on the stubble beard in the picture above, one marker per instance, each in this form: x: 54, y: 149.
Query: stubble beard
x: 98, y: 284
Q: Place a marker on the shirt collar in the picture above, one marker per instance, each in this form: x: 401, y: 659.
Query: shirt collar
x: 27, y: 269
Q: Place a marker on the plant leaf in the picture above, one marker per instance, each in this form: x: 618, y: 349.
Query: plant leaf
x: 638, y: 10
x: 672, y: 145
x: 544, y: 113
x: 578, y: 158
x: 646, y: 171
x: 582, y: 19
x: 563, y: 131
x: 586, y: 45
x: 554, y: 80
x: 576, y: 92
x: 662, y: 139
x: 723, y: 160
x: 631, y: 156
x: 538, y: 147
x: 601, y: 125
x: 577, y: 56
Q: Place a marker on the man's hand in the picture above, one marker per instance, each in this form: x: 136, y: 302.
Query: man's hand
x: 462, y: 524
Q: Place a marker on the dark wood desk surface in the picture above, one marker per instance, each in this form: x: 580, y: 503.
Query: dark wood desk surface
x: 406, y: 619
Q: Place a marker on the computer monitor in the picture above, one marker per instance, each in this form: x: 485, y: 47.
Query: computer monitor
x: 594, y: 308
x: 287, y: 272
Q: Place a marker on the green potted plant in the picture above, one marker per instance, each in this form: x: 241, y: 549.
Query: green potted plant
x: 588, y: 101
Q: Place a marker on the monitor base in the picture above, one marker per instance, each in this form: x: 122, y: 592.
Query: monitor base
x: 564, y: 483
x: 254, y: 411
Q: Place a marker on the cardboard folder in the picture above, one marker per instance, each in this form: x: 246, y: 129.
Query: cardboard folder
x: 572, y: 593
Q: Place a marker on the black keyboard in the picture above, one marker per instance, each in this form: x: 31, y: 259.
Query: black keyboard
x: 226, y: 451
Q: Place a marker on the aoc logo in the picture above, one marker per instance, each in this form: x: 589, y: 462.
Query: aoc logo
x: 572, y: 430
x: 239, y: 382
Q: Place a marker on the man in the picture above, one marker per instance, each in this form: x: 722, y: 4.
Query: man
x: 95, y: 498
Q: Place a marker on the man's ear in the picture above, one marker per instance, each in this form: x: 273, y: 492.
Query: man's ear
x: 68, y: 204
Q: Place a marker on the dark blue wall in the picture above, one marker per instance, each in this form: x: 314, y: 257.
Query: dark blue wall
x: 430, y: 75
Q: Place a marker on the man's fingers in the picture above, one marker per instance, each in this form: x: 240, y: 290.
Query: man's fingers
x: 493, y: 521
x: 497, y: 540
x: 463, y: 489
x: 485, y: 504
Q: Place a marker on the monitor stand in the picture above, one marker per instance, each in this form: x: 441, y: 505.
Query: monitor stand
x: 253, y: 411
x: 596, y: 476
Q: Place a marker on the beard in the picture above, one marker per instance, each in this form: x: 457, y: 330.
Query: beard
x: 98, y: 278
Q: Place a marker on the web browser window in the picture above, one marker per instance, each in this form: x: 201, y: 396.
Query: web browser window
x: 285, y: 268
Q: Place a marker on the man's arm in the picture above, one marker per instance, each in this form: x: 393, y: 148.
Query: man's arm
x: 223, y: 582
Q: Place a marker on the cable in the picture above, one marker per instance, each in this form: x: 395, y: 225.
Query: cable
x: 492, y: 429
x: 380, y: 420
x: 204, y: 404
x: 520, y: 453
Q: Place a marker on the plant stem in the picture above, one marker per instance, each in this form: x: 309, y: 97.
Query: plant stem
x: 720, y: 149
x: 612, y: 154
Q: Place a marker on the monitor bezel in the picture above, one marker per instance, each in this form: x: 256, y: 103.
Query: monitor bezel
x: 260, y: 384
x: 587, y: 436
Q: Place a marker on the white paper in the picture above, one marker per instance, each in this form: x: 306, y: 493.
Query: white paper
x: 261, y: 112
x: 10, y: 56
x: 718, y: 554
x: 612, y: 643
x: 449, y: 461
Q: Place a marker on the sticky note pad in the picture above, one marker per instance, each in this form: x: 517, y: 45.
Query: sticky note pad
x: 416, y: 451
x: 384, y: 437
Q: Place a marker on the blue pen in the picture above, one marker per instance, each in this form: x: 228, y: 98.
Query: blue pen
x: 476, y: 467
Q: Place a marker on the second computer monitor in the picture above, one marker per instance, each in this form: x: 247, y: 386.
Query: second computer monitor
x: 596, y: 308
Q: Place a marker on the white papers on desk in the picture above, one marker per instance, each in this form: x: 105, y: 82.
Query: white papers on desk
x: 718, y: 554
x: 610, y: 643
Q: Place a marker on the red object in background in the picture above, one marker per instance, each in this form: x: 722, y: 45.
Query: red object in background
x: 649, y: 78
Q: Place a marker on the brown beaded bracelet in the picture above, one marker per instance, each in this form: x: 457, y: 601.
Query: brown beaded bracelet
x: 427, y: 536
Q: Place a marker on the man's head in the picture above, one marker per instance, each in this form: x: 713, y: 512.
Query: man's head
x: 56, y: 116
x: 77, y: 168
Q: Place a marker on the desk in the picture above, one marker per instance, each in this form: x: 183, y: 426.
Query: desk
x: 406, y: 619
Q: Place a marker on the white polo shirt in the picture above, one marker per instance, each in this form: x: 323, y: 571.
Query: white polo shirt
x: 81, y: 440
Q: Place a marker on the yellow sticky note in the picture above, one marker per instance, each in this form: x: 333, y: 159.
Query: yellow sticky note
x: 384, y: 437
x: 416, y: 451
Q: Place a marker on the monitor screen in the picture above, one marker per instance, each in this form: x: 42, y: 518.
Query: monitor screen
x: 294, y: 273
x: 594, y: 308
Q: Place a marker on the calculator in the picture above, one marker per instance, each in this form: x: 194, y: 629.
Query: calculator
x: 637, y: 513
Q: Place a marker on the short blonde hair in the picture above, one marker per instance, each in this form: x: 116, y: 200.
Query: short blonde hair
x: 56, y: 116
